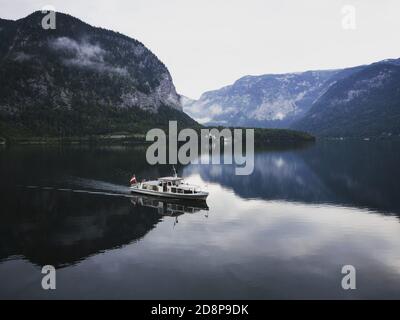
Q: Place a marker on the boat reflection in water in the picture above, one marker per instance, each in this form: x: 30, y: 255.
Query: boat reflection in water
x: 170, y: 207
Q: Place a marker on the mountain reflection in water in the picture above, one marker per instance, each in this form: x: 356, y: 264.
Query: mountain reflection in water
x: 283, y: 232
x: 351, y: 173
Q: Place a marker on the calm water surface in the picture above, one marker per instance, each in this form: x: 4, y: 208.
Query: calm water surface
x: 283, y: 232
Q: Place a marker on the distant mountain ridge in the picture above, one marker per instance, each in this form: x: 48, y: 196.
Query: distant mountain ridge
x: 364, y: 104
x: 309, y: 101
x: 78, y: 79
x: 266, y: 101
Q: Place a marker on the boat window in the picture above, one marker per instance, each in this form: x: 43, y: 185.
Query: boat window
x: 188, y: 191
x: 173, y: 190
x: 169, y: 183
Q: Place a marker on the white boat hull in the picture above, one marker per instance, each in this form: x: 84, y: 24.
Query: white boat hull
x: 202, y: 195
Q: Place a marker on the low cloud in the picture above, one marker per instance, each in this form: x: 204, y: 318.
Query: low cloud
x: 22, y: 56
x: 86, y: 55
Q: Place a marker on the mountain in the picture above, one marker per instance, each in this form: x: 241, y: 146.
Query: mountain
x: 79, y: 80
x: 364, y: 104
x: 362, y: 101
x: 272, y: 100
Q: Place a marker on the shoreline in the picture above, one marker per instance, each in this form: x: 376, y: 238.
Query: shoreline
x: 138, y: 139
x: 262, y: 136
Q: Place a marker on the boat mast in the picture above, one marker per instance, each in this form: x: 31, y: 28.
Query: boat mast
x: 175, y: 174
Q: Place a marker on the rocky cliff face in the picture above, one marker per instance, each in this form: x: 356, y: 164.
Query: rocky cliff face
x: 80, y: 79
x: 265, y: 101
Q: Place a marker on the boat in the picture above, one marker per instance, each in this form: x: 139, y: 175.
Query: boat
x: 168, y: 187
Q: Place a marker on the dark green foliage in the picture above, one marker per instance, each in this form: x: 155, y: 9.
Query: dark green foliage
x: 275, y: 137
x: 89, y: 120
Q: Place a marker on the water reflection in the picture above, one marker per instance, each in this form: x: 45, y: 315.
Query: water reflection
x: 283, y: 232
x: 350, y: 173
x: 170, y: 207
x: 59, y: 227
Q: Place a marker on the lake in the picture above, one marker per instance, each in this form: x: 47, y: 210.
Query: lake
x: 285, y: 231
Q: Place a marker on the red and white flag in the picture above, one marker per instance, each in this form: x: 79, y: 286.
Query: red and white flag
x: 133, y: 179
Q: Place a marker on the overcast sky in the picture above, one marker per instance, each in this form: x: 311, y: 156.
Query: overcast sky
x: 207, y: 44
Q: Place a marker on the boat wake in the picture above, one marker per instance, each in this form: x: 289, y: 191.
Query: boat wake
x: 89, y: 186
x: 98, y: 185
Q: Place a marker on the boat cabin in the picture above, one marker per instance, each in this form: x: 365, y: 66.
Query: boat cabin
x: 170, y: 184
